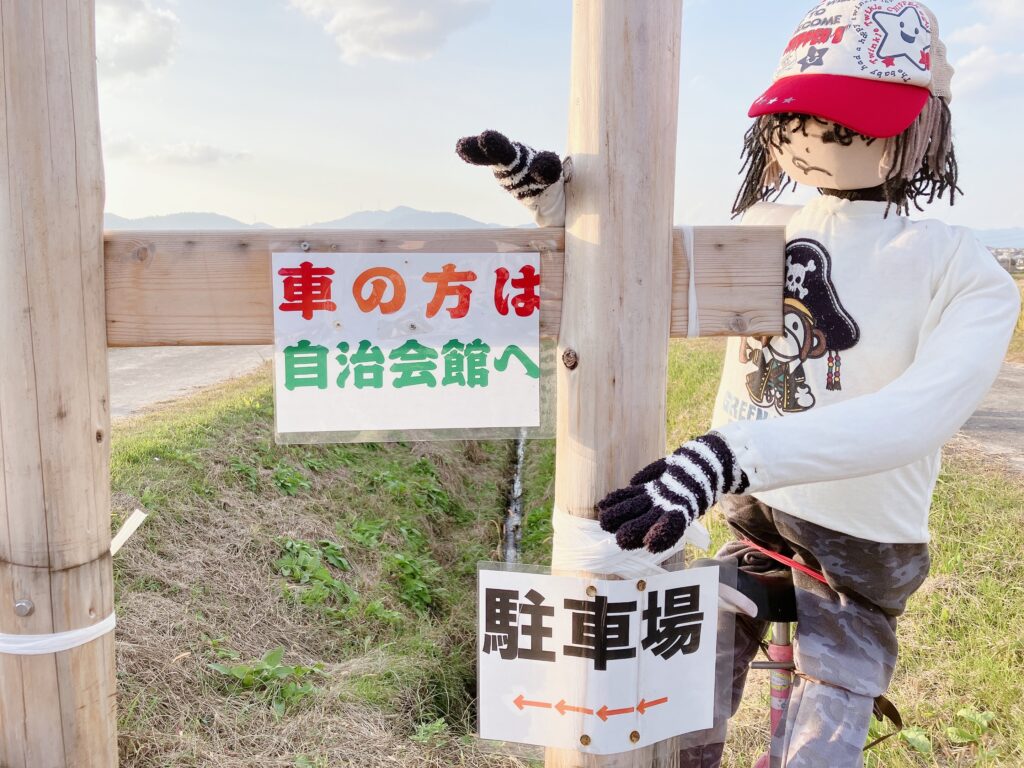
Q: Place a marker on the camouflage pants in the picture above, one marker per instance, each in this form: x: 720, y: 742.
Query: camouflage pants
x: 845, y: 645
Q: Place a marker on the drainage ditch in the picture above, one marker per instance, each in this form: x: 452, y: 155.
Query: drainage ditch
x: 514, y: 515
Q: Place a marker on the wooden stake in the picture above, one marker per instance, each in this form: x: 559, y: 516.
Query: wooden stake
x: 56, y: 711
x: 617, y: 296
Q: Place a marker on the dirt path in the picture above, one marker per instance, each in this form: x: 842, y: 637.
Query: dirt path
x: 143, y: 377
x: 997, y: 427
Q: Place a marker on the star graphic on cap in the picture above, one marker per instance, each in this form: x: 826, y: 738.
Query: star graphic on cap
x: 790, y: 100
x: 815, y: 58
x: 905, y: 35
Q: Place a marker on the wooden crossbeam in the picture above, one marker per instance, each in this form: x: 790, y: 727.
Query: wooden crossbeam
x: 214, y: 287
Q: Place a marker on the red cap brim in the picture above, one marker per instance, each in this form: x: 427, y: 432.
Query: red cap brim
x: 871, y: 107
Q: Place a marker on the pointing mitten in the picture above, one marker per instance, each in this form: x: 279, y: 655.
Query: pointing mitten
x: 663, y: 498
x: 534, y: 178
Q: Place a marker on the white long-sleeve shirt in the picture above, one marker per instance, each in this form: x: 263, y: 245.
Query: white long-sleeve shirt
x: 895, y: 331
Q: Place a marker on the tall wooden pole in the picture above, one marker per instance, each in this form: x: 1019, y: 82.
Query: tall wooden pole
x: 618, y: 254
x: 56, y: 710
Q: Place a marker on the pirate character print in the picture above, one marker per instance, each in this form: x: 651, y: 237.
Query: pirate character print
x: 815, y: 324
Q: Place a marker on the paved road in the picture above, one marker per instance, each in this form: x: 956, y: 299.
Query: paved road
x: 142, y: 377
x: 998, y: 425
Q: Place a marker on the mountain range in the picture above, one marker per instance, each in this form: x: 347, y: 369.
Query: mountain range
x: 404, y: 217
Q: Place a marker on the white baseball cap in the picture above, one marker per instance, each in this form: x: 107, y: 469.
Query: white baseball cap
x: 869, y: 65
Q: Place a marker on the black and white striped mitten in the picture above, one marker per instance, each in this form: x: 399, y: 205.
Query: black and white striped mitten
x: 524, y: 172
x: 663, y: 498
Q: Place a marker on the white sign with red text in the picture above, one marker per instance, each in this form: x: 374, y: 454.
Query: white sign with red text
x: 398, y: 341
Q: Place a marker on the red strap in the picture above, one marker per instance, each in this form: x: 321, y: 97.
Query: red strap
x: 787, y: 561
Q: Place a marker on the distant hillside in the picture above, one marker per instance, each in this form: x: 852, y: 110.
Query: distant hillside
x: 403, y: 217
x: 1002, y: 238
x: 191, y: 220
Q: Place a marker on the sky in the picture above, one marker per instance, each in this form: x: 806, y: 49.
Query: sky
x: 291, y: 112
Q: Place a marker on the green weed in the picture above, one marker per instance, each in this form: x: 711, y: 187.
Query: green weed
x: 367, y: 532
x: 282, y: 685
x: 416, y: 579
x: 290, y: 480
x: 418, y: 487
x: 248, y: 473
x: 970, y: 730
x: 315, y: 463
x: 432, y: 734
x: 306, y: 565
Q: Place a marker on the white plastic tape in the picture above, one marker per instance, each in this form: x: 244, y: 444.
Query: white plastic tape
x: 40, y: 645
x: 692, y: 313
x: 581, y: 545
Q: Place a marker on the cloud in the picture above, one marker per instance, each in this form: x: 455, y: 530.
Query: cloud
x: 984, y: 66
x: 193, y: 153
x: 995, y: 54
x: 134, y: 37
x: 400, y: 30
x: 1000, y: 20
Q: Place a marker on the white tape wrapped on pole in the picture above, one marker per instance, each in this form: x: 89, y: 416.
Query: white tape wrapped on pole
x: 580, y: 544
x: 58, y: 642
x: 41, y: 645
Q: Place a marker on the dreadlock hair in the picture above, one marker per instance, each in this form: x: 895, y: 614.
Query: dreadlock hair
x: 920, y: 163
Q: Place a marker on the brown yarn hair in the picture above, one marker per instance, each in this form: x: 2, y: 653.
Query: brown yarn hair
x: 921, y: 161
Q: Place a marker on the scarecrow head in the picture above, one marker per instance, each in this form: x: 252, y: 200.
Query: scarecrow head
x: 859, y: 108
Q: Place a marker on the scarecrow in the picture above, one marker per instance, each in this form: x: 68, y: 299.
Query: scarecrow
x: 826, y: 440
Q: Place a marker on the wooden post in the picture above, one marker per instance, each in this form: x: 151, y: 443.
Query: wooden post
x: 56, y: 710
x: 616, y: 303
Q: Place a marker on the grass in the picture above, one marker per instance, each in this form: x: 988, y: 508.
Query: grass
x: 333, y: 588
x: 1016, y: 353
x: 297, y: 605
x: 962, y: 648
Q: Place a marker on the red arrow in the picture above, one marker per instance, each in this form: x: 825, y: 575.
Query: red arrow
x: 643, y: 706
x: 604, y: 713
x: 562, y: 708
x: 521, y: 702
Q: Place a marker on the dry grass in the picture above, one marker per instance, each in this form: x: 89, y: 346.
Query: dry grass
x: 200, y: 579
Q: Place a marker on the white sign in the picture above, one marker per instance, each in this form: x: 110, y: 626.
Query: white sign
x: 396, y: 341
x: 596, y: 666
